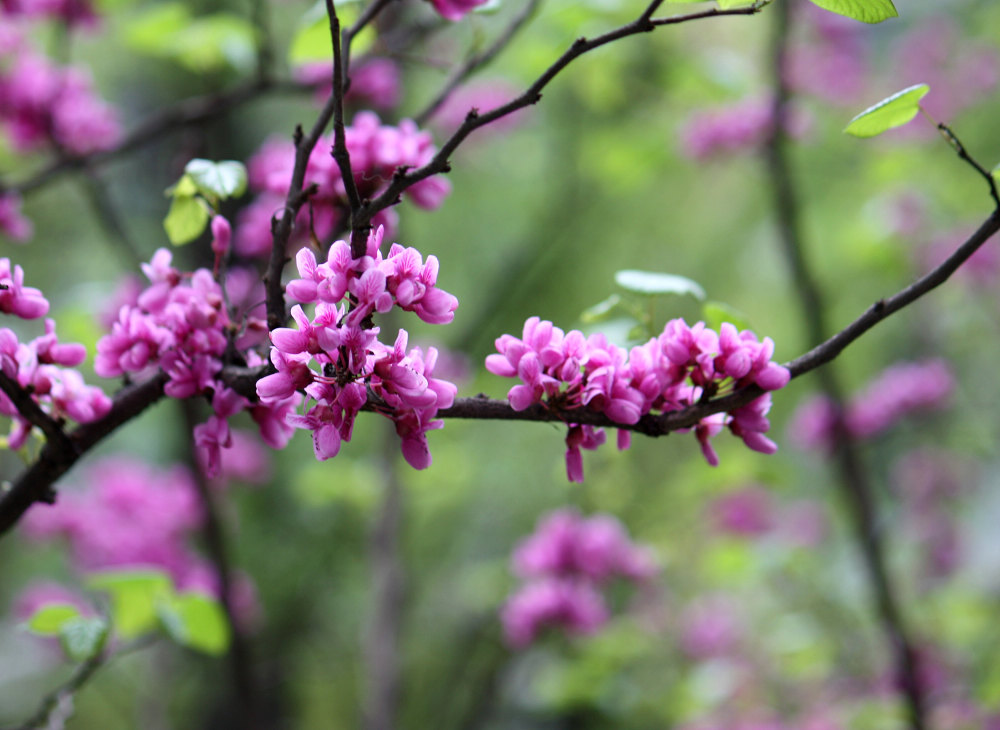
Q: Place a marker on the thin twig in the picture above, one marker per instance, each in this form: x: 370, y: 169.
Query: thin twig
x: 477, y: 61
x: 33, y: 414
x: 439, y: 163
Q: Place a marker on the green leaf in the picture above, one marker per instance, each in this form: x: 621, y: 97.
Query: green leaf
x: 716, y: 313
x: 49, y: 619
x: 311, y: 42
x: 729, y: 4
x: 894, y: 111
x: 227, y: 179
x: 995, y: 172
x: 134, y: 597
x: 195, y: 621
x: 82, y: 637
x: 867, y: 11
x: 650, y: 283
x: 210, y: 43
x: 601, y: 311
x: 186, y: 219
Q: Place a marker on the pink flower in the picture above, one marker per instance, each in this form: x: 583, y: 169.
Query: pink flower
x: 12, y: 224
x: 747, y: 512
x: 572, y: 606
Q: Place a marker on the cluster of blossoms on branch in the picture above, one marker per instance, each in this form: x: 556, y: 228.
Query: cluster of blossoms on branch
x: 70, y: 12
x: 43, y: 367
x: 681, y: 367
x: 377, y: 150
x: 902, y: 389
x: 179, y: 324
x: 566, y: 563
x: 342, y: 342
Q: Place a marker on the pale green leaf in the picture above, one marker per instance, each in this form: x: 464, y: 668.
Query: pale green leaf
x: 729, y: 4
x: 195, y: 621
x: 185, y: 220
x: 601, y: 311
x: 208, y: 43
x: 867, y: 11
x: 651, y: 283
x: 717, y: 313
x: 48, y: 619
x: 134, y: 597
x: 312, y: 43
x: 146, y: 30
x: 82, y: 637
x: 227, y: 179
x: 894, y: 111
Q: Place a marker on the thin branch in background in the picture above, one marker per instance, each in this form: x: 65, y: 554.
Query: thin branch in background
x: 957, y: 145
x: 473, y: 121
x: 368, y: 15
x: 214, y: 536
x: 855, y: 479
x: 477, y: 61
x: 194, y: 110
x: 107, y: 213
x: 381, y: 649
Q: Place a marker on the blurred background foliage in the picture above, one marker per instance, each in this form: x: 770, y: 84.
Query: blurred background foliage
x: 593, y: 179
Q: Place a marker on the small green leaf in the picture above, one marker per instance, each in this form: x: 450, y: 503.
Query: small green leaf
x: 82, y: 638
x: 996, y: 173
x: 227, y: 179
x: 209, y: 43
x: 134, y: 597
x: 867, y: 11
x: 601, y: 311
x: 186, y: 219
x: 49, y: 619
x: 311, y: 42
x: 184, y: 188
x: 195, y: 621
x: 651, y: 283
x: 894, y: 111
x: 716, y: 313
x: 729, y: 4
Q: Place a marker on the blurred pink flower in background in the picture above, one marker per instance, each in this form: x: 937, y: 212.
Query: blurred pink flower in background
x: 746, y: 512
x: 740, y: 127
x: 710, y: 627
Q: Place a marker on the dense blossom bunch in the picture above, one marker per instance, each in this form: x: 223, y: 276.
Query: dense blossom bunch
x: 899, y: 390
x: 179, y: 324
x: 566, y: 562
x: 340, y: 340
x: 41, y: 103
x: 377, y: 150
x: 456, y: 9
x: 131, y: 515
x: 566, y: 371
x: 42, y: 366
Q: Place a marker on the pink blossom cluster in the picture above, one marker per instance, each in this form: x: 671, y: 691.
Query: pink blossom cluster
x: 375, y: 82
x: 566, y: 562
x: 179, y: 324
x: 377, y: 150
x: 71, y: 12
x: 900, y: 390
x: 13, y: 224
x: 44, y: 368
x: 739, y: 127
x: 456, y: 9
x: 340, y: 339
x: 675, y: 370
x: 130, y: 514
x: 43, y: 103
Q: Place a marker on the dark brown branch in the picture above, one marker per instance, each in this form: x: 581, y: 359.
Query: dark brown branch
x: 340, y: 153
x: 33, y: 414
x: 35, y: 483
x: 478, y: 61
x: 957, y: 145
x: 473, y: 121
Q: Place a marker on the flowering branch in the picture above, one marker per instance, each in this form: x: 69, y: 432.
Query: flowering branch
x: 33, y: 413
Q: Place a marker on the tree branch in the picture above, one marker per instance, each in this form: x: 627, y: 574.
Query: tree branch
x: 33, y: 414
x: 477, y: 61
x: 473, y: 121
